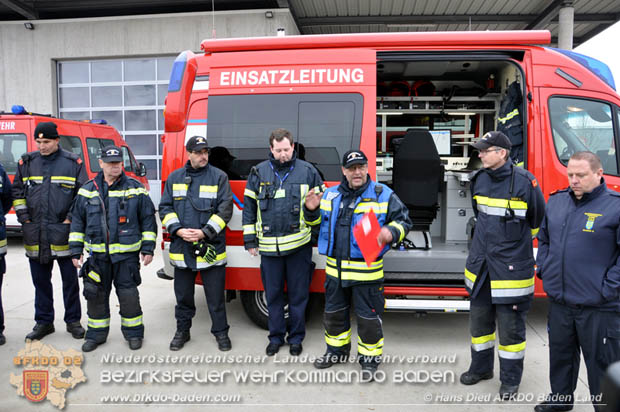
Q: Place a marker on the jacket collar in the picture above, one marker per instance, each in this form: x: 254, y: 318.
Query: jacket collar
x: 501, y: 172
x: 346, y: 190
x: 101, y: 181
x: 280, y: 166
x: 598, y: 190
x: 194, y: 172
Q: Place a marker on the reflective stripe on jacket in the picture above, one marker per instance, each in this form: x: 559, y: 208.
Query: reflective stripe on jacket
x: 196, y: 199
x: 43, y: 190
x: 506, y: 223
x: 5, y: 206
x: 120, y: 227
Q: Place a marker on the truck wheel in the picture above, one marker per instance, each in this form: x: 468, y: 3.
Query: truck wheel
x: 255, y: 306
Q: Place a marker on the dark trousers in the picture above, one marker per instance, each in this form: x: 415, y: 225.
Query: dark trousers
x: 44, y: 294
x: 368, y: 302
x: 511, y: 324
x: 125, y: 275
x: 2, y: 270
x: 213, y: 283
x: 574, y: 330
x: 296, y: 270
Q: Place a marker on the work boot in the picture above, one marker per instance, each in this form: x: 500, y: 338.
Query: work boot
x: 329, y: 359
x: 180, y: 337
x: 76, y: 330
x: 295, y: 349
x: 507, y: 392
x: 135, y: 343
x: 272, y: 348
x: 470, y: 378
x: 40, y: 331
x: 223, y: 342
x: 90, y: 345
x: 548, y: 406
x: 368, y: 372
x: 2, y: 339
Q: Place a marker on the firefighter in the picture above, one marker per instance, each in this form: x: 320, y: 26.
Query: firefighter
x: 499, y: 272
x: 45, y: 185
x: 114, y: 218
x: 5, y: 206
x: 349, y: 278
x: 274, y: 226
x: 195, y: 208
x: 578, y: 261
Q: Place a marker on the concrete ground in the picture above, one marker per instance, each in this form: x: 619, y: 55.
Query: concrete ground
x: 434, y: 348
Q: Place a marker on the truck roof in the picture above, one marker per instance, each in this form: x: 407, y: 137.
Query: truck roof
x: 381, y: 40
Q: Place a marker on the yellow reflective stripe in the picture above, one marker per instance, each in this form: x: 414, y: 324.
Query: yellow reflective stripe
x: 518, y: 347
x: 326, y: 205
x: 249, y: 193
x: 364, y: 207
x: 210, y: 189
x: 512, y: 284
x: 76, y: 237
x: 369, y: 349
x: 339, y: 340
x: 179, y: 186
x: 508, y: 116
x: 122, y: 248
x: 95, y: 247
x: 149, y: 236
x: 535, y: 231
x: 94, y: 276
x: 3, y: 242
x: 469, y: 275
x: 19, y: 202
x: 128, y: 192
x: 59, y: 248
x: 98, y: 323
x: 355, y: 270
x: 354, y: 264
x: 63, y: 180
x: 169, y: 217
x: 400, y: 228
x: 38, y: 179
x: 218, y: 258
x: 218, y: 221
x: 72, y: 179
x: 131, y: 322
x: 314, y: 222
x: 273, y: 247
x: 249, y: 229
x: 272, y: 240
x: 494, y: 202
x: 483, y: 339
x: 87, y: 193
x: 177, y: 257
x: 32, y: 248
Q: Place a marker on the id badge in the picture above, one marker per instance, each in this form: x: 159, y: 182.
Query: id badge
x: 280, y: 193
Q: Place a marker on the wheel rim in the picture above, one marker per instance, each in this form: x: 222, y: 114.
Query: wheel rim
x: 261, y: 303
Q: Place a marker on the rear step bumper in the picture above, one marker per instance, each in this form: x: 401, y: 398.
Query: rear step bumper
x: 428, y: 305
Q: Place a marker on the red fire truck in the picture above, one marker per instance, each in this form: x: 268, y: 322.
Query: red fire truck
x: 374, y: 91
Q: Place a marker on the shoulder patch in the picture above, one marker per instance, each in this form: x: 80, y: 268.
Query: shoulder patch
x: 534, y: 182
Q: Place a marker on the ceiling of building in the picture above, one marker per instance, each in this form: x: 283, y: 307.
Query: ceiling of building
x: 354, y: 16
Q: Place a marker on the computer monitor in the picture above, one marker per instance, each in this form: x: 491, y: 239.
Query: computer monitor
x: 443, y: 141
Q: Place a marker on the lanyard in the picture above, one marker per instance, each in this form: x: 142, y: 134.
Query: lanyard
x: 285, y: 176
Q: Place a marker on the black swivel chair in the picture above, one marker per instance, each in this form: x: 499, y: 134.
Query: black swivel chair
x: 417, y: 177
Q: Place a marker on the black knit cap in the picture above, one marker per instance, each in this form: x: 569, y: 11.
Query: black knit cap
x: 46, y: 130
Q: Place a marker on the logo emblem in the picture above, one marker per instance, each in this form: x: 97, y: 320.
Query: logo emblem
x: 35, y: 385
x: 200, y: 140
x: 112, y: 152
x: 354, y: 156
x: 590, y: 223
x: 40, y: 135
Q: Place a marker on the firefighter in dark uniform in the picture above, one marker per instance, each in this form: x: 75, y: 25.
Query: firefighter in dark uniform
x: 274, y: 226
x: 195, y: 208
x: 349, y: 278
x: 114, y: 218
x: 499, y: 272
x: 45, y: 185
x: 579, y: 262
x: 5, y: 206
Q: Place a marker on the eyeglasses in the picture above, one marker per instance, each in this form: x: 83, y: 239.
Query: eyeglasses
x: 485, y: 151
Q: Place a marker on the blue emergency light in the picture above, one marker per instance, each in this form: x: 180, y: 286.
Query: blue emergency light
x: 18, y: 109
x: 176, y: 75
x: 99, y: 121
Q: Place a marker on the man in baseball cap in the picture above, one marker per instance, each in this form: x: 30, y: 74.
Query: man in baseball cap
x: 491, y: 139
x: 354, y: 157
x: 196, y: 144
x: 111, y: 154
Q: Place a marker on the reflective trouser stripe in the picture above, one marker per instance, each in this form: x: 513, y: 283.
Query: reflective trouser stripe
x: 339, y: 340
x: 481, y: 343
x: 131, y: 322
x: 369, y: 349
x: 516, y: 351
x: 98, y: 323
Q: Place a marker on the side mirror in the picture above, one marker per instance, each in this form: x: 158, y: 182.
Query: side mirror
x: 141, y: 169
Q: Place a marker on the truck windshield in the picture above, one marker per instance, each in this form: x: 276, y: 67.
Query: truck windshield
x: 324, y: 127
x: 581, y: 124
x: 12, y: 146
x: 94, y: 151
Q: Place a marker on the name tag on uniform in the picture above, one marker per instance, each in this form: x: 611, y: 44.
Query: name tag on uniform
x: 280, y: 193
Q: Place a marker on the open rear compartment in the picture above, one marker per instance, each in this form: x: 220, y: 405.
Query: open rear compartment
x: 430, y: 106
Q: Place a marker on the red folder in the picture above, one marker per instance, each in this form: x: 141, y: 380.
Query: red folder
x: 366, y: 232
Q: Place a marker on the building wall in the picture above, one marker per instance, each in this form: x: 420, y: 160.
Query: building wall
x: 27, y: 57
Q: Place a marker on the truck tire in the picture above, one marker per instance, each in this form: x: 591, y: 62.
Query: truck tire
x: 255, y: 306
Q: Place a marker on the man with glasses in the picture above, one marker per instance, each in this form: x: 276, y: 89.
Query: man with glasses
x: 499, y: 272
x: 195, y: 208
